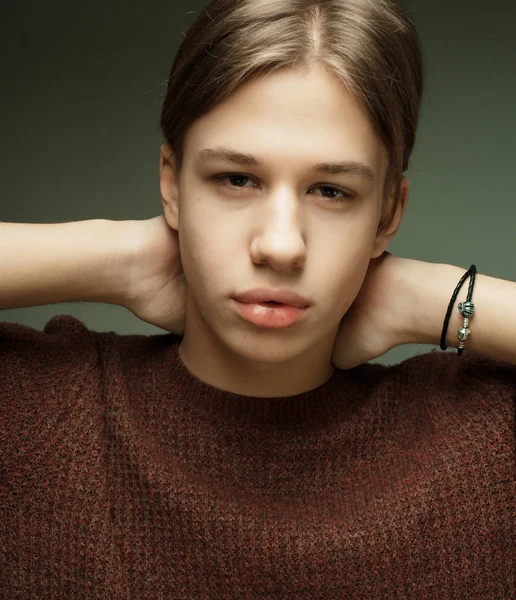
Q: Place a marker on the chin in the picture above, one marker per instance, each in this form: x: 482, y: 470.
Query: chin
x: 270, y: 351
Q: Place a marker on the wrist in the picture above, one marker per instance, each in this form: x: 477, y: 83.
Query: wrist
x: 122, y: 238
x: 428, y: 288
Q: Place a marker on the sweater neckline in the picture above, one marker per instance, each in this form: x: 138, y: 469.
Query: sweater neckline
x: 312, y: 407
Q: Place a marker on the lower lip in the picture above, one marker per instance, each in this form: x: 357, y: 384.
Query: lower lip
x: 270, y: 317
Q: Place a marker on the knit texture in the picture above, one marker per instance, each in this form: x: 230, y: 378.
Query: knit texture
x: 122, y: 476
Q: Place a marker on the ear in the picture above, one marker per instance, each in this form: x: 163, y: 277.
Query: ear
x: 169, y: 186
x: 384, y: 238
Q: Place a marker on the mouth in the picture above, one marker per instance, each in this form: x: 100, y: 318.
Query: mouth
x: 270, y: 314
x: 273, y: 298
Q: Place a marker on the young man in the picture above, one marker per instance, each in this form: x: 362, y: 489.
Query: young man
x: 231, y: 458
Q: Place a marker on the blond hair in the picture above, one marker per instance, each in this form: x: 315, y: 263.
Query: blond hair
x: 372, y: 46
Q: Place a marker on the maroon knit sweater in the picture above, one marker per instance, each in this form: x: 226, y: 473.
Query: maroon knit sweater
x: 124, y: 476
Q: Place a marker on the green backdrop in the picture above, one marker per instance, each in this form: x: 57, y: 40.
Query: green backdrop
x: 82, y: 86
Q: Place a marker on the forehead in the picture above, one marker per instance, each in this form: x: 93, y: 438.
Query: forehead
x: 308, y: 117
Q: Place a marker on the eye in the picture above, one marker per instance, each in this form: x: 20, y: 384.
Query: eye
x: 345, y: 195
x: 234, y: 177
x: 239, y: 177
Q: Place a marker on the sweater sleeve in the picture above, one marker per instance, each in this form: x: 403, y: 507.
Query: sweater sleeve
x: 46, y: 378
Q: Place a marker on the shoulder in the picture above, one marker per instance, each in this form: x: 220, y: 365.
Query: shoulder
x: 469, y: 383
x: 447, y: 367
x: 61, y: 338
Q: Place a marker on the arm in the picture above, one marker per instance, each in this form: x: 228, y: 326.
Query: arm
x: 84, y: 261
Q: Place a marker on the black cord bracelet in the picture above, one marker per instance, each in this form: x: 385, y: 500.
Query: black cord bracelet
x: 466, y: 309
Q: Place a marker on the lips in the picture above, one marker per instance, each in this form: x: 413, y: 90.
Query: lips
x: 268, y: 315
x: 264, y: 295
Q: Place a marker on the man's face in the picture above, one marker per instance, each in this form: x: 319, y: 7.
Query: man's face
x: 275, y: 225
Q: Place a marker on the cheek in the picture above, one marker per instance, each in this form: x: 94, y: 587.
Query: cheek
x: 346, y: 277
x: 203, y: 253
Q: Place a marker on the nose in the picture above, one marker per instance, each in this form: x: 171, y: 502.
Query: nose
x: 279, y: 237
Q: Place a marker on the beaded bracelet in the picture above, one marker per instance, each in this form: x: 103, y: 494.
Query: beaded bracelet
x: 466, y: 309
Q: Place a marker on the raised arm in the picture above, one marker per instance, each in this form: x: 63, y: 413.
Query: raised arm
x: 84, y: 261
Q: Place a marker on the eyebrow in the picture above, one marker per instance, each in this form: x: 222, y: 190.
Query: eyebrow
x: 349, y: 167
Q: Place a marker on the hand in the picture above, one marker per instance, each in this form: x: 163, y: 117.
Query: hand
x: 376, y: 321
x: 157, y: 289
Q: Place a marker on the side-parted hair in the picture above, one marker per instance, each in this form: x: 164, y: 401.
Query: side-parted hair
x: 372, y: 46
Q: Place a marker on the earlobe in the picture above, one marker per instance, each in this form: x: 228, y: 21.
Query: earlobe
x: 169, y: 187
